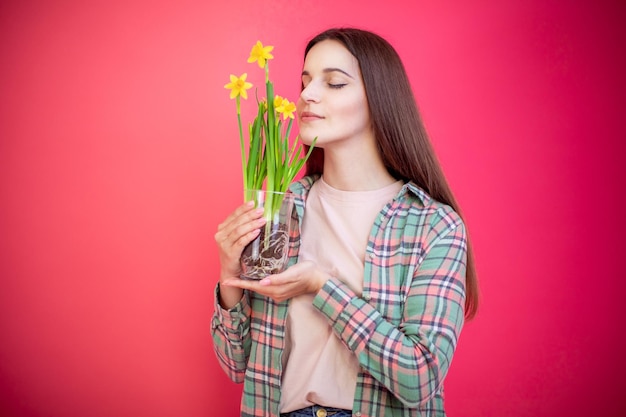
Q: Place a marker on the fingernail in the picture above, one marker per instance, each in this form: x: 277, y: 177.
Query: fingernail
x: 265, y: 281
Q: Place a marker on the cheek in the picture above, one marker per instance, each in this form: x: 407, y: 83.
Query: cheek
x: 299, y: 105
x: 356, y: 111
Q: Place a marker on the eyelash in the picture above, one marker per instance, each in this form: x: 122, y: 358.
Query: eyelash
x: 336, y: 86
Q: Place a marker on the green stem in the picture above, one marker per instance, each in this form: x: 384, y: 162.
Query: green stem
x: 243, y: 154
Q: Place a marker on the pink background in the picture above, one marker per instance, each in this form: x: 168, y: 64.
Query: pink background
x: 119, y: 156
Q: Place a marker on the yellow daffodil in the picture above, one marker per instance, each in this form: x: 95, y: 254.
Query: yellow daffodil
x: 285, y: 107
x: 269, y: 160
x: 238, y: 86
x: 260, y: 54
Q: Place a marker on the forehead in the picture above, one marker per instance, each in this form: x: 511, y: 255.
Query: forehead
x: 331, y: 54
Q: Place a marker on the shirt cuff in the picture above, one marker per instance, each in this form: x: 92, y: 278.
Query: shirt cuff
x: 232, y: 319
x: 352, y: 318
x: 333, y: 299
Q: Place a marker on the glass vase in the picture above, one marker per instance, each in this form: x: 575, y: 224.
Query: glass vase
x: 267, y: 253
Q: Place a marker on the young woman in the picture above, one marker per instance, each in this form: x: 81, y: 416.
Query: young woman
x: 366, y: 319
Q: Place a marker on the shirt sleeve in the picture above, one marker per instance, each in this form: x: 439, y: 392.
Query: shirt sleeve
x: 410, y: 359
x: 230, y: 330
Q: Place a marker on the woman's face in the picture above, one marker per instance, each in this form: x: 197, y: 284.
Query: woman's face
x: 333, y: 105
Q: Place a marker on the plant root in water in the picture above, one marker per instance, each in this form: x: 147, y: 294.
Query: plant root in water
x: 265, y: 255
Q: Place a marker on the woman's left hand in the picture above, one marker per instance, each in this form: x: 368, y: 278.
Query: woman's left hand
x: 301, y: 278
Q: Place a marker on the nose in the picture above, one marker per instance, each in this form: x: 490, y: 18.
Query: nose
x: 310, y: 94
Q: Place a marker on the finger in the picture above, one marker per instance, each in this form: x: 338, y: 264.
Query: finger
x: 240, y: 283
x: 237, y: 227
x: 288, y: 276
x: 230, y: 252
x: 240, y: 212
x: 275, y: 292
x: 246, y: 238
x: 277, y: 280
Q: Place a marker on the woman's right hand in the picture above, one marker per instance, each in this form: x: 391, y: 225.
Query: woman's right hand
x: 240, y: 228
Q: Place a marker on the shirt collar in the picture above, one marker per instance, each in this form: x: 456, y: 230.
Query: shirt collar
x: 303, y: 186
x: 412, y: 188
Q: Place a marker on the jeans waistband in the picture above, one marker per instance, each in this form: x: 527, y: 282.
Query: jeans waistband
x: 318, y: 411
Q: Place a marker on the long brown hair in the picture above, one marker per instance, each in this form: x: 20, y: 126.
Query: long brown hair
x: 400, y: 133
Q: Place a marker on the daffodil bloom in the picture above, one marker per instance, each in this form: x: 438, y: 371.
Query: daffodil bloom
x: 260, y: 54
x: 238, y: 86
x: 267, y: 159
x: 286, y: 108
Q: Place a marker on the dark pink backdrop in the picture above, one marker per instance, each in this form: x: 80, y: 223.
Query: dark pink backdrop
x: 119, y: 156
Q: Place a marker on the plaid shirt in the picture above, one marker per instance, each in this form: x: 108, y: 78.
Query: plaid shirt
x: 403, y: 329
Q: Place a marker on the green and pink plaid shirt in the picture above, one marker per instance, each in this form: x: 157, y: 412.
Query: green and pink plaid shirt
x: 403, y: 328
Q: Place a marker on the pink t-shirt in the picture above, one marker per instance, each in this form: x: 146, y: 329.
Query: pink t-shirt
x: 320, y: 369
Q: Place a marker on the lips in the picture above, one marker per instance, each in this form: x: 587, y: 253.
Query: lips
x: 307, y: 116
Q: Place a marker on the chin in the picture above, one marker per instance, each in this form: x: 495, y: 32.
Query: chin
x: 306, y: 139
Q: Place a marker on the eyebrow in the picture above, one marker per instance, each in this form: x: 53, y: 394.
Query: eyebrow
x: 328, y: 70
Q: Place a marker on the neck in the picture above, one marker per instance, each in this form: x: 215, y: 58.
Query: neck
x: 349, y: 171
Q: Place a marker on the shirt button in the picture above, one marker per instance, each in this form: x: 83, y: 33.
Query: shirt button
x: 367, y: 297
x: 357, y: 414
